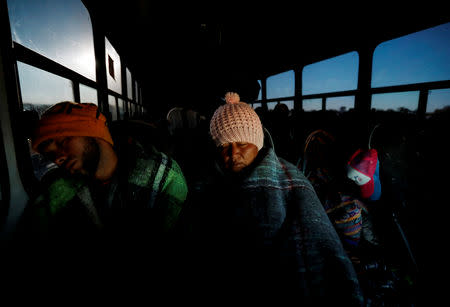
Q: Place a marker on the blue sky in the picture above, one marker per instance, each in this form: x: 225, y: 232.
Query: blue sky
x: 62, y: 31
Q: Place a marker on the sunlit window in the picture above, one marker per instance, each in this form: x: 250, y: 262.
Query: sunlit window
x: 281, y: 85
x: 121, y: 109
x: 88, y: 94
x: 414, y: 58
x: 332, y: 75
x: 58, y: 30
x: 41, y: 89
x: 129, y: 84
x: 112, y: 107
x: 113, y: 77
x: 403, y: 102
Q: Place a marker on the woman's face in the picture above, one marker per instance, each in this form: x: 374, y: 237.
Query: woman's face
x: 238, y: 155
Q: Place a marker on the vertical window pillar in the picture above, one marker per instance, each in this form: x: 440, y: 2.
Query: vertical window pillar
x: 363, y: 95
x: 76, y: 91
x: 100, y: 65
x: 264, y: 94
x: 423, y: 100
x: 298, y: 102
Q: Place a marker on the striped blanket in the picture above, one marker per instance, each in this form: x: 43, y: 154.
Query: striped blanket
x: 272, y: 232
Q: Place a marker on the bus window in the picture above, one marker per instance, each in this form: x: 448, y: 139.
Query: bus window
x: 257, y: 105
x: 112, y: 107
x: 341, y: 104
x: 58, y: 30
x: 271, y: 105
x: 438, y: 101
x: 332, y: 75
x: 136, y: 98
x: 281, y: 85
x: 312, y: 104
x: 289, y: 103
x: 41, y: 89
x: 403, y: 102
x: 121, y: 114
x: 414, y: 58
x: 129, y: 84
x: 113, y: 76
x: 130, y: 109
x: 260, y: 91
x: 88, y: 94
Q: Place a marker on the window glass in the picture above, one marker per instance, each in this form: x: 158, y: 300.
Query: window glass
x: 121, y: 109
x: 113, y: 76
x: 129, y: 84
x: 438, y: 101
x: 256, y: 105
x: 130, y: 109
x: 332, y: 75
x: 58, y: 30
x: 260, y: 91
x: 271, y: 105
x: 41, y: 89
x: 341, y: 104
x: 281, y: 85
x: 289, y: 103
x: 405, y: 101
x: 136, y: 91
x: 312, y: 104
x: 112, y: 107
x: 419, y: 57
x: 88, y: 94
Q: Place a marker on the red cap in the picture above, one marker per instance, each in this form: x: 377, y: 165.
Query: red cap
x: 365, y: 162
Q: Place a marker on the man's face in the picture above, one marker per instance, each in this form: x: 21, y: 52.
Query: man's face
x: 238, y: 155
x: 76, y: 154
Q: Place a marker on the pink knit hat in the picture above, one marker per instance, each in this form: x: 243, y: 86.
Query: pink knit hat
x: 236, y: 121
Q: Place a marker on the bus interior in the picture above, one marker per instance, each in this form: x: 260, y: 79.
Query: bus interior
x: 339, y: 74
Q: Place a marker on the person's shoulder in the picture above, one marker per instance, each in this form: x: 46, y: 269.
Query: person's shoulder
x: 291, y: 167
x: 284, y: 164
x: 295, y: 176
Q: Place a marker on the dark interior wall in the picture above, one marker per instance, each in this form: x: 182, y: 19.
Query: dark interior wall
x: 198, y: 82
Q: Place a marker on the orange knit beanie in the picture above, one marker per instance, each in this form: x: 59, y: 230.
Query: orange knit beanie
x: 71, y: 119
x: 236, y: 121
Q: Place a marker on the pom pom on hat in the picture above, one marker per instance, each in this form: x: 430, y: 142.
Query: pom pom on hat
x: 236, y: 121
x: 232, y: 98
